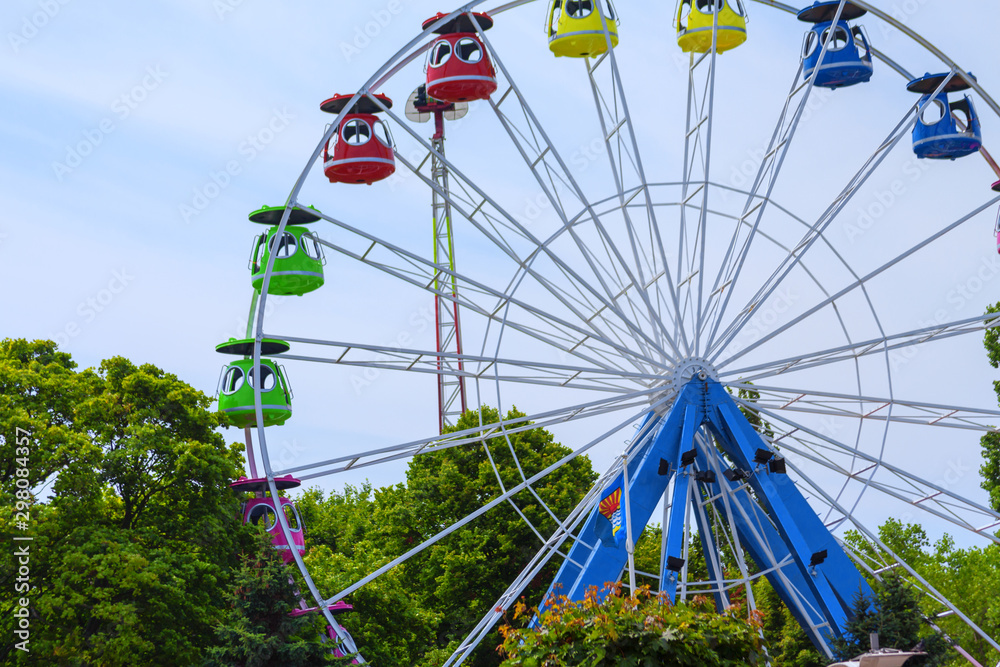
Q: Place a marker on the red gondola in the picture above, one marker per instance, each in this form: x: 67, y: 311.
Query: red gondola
x: 361, y: 150
x: 458, y: 66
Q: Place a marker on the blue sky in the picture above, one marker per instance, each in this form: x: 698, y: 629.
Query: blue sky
x: 137, y: 137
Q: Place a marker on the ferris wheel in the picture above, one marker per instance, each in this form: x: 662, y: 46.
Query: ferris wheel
x: 773, y: 384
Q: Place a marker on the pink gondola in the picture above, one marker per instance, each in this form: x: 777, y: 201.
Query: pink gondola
x: 258, y: 510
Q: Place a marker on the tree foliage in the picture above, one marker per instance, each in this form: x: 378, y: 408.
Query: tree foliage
x: 346, y: 540
x: 610, y: 629
x: 990, y: 469
x: 257, y: 630
x: 420, y: 610
x: 134, y: 527
x: 969, y: 577
x: 788, y: 644
x: 894, y: 613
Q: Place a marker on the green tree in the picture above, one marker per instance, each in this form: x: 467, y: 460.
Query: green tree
x: 990, y: 469
x: 462, y: 576
x: 969, y: 578
x: 257, y: 630
x: 346, y: 541
x: 136, y: 532
x: 894, y: 613
x: 456, y: 581
x: 612, y: 629
x: 788, y: 643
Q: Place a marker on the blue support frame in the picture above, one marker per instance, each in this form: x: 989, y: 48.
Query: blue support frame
x: 775, y: 524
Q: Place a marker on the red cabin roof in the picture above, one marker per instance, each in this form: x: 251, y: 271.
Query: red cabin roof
x: 364, y: 104
x: 461, y: 23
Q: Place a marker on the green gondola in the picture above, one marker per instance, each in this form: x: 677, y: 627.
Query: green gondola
x: 236, y: 388
x: 299, y: 260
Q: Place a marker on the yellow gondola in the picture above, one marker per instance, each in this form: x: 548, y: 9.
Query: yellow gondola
x: 576, y: 30
x: 694, y: 24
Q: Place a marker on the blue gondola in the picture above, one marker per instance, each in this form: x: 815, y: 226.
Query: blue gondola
x: 945, y: 130
x: 848, y: 59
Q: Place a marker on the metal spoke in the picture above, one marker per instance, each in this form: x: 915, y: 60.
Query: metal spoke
x: 860, y: 282
x: 868, y: 347
x: 541, y: 558
x: 426, y: 361
x: 566, y: 336
x: 623, y: 122
x: 549, y: 148
x: 934, y: 492
x: 525, y: 269
x: 815, y: 232
x: 770, y: 168
x: 463, y: 437
x: 502, y: 498
x: 873, y: 408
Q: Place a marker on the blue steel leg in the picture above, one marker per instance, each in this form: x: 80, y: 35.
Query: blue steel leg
x: 675, y: 528
x: 600, y: 563
x: 836, y: 580
x: 603, y: 564
x: 675, y: 534
x: 766, y: 548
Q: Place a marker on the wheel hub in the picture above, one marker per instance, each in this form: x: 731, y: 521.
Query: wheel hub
x: 686, y: 370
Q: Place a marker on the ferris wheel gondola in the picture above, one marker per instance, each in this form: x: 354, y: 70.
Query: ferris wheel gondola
x: 937, y: 134
x: 848, y: 59
x: 361, y: 150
